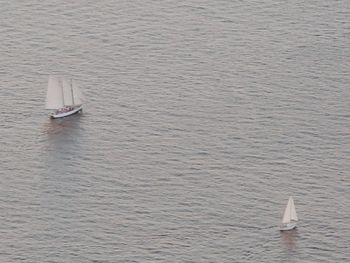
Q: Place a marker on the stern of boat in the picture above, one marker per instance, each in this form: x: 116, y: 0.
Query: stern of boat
x: 288, y: 226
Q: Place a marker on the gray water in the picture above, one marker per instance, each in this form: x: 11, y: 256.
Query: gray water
x: 202, y: 117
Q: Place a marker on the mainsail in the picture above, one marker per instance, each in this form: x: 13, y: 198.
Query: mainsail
x: 294, y: 212
x: 54, y: 96
x: 62, y: 93
x: 290, y: 212
x: 67, y: 93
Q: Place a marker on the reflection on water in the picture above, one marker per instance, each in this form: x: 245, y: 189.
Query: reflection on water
x: 64, y: 142
x: 289, y: 241
x: 69, y: 125
x: 60, y: 185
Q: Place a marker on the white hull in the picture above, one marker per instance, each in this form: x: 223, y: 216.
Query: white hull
x: 67, y: 113
x: 288, y: 226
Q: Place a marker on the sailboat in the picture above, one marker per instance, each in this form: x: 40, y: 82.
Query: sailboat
x: 63, y: 96
x: 290, y: 218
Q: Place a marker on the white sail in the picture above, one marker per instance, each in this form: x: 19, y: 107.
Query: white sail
x: 77, y: 95
x: 294, y: 212
x: 54, y: 96
x: 67, y: 92
x: 290, y: 212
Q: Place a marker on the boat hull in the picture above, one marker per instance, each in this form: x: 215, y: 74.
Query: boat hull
x: 288, y: 226
x: 66, y: 114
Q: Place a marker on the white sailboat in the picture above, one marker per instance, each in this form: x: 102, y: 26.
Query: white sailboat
x: 64, y: 97
x: 290, y: 218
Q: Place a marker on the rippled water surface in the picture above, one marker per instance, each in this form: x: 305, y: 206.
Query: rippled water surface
x: 202, y: 117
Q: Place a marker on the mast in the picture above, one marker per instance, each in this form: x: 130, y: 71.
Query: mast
x: 71, y: 89
x: 62, y: 92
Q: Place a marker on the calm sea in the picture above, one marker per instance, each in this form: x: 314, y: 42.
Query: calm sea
x: 202, y: 118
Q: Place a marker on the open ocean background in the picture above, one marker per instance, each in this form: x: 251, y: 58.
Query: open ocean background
x: 202, y: 117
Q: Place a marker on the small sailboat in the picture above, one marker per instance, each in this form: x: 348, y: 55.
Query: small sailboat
x: 290, y: 218
x: 64, y: 97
